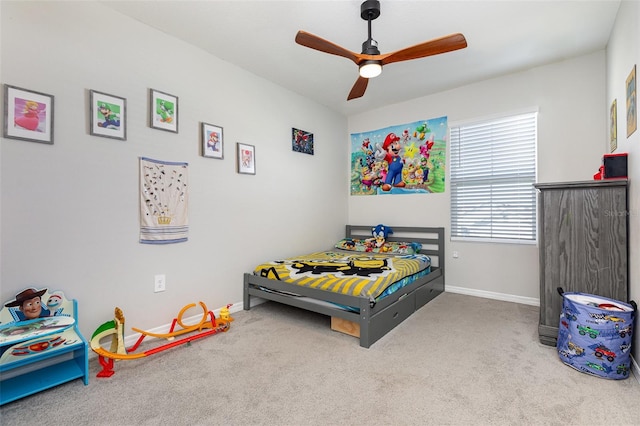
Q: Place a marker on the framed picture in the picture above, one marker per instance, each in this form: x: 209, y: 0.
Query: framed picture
x: 163, y: 111
x: 212, y: 141
x: 108, y: 115
x: 301, y: 141
x: 28, y: 115
x: 613, y: 123
x: 246, y: 159
x: 632, y: 112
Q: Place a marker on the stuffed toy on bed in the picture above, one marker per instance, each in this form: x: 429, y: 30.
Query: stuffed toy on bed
x: 380, y: 233
x: 379, y: 243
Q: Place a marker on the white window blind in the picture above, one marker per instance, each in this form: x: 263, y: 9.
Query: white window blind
x: 493, y: 169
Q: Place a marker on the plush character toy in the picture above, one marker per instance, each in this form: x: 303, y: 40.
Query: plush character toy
x: 380, y: 233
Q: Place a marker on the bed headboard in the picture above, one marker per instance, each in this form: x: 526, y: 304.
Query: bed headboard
x: 432, y: 239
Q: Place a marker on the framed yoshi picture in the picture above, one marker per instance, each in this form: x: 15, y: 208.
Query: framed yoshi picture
x: 163, y: 111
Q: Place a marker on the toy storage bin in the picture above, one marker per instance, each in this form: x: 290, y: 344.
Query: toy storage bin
x: 595, y: 334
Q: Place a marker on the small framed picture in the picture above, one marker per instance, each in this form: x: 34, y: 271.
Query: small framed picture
x: 28, y: 115
x: 246, y: 159
x: 632, y: 117
x: 301, y: 141
x: 108, y: 115
x: 613, y: 126
x: 212, y: 141
x: 163, y: 111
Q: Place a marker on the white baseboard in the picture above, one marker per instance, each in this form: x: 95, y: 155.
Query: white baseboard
x: 131, y: 339
x: 635, y: 369
x: 492, y: 295
x: 237, y: 307
x: 195, y: 319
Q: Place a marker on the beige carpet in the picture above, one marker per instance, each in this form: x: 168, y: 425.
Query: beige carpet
x: 460, y: 360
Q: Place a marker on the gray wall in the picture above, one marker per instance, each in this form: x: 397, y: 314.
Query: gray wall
x: 623, y: 52
x: 569, y: 96
x: 70, y: 210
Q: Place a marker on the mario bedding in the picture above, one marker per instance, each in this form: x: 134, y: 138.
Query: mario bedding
x: 371, y: 275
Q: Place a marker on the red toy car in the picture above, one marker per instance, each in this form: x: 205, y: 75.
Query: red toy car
x: 603, y: 351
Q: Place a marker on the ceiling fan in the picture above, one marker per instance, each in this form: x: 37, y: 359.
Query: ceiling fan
x: 370, y: 61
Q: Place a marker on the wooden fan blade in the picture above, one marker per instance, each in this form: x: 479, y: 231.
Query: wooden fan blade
x: 358, y: 88
x: 311, y: 41
x: 429, y: 48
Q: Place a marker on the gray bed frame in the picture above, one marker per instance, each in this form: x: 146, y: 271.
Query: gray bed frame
x: 377, y: 320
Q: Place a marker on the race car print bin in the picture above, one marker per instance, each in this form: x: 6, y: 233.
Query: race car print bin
x: 595, y: 334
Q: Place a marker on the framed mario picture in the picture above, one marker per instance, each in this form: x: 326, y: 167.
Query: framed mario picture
x: 108, y: 115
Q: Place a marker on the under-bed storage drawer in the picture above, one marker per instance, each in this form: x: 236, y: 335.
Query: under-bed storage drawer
x: 391, y: 316
x: 429, y: 291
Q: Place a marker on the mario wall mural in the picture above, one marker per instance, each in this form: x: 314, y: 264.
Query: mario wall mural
x: 402, y: 159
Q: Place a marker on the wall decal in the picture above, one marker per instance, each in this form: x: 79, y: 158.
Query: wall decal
x: 401, y: 159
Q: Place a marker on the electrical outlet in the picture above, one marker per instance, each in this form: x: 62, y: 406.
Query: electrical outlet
x: 159, y: 283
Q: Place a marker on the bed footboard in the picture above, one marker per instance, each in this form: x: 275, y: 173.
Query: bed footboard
x: 374, y: 321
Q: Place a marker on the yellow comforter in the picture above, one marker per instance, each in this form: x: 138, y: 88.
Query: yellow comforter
x: 358, y: 274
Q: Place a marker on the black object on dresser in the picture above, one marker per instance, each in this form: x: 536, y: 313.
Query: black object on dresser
x: 583, y: 245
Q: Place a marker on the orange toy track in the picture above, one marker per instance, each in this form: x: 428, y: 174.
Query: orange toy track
x: 115, y: 329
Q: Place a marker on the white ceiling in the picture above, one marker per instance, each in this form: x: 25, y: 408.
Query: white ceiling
x: 503, y: 37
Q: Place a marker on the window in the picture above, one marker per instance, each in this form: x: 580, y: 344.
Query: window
x: 493, y: 169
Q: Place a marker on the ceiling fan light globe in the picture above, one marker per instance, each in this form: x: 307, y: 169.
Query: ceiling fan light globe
x: 370, y: 69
